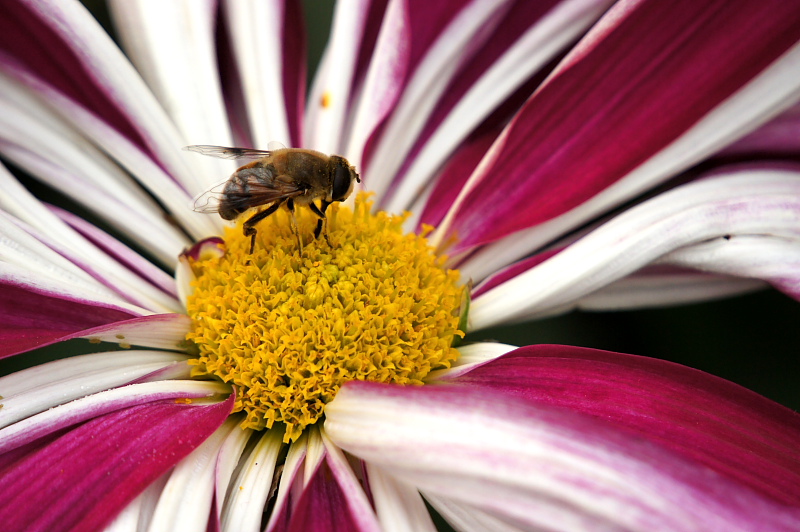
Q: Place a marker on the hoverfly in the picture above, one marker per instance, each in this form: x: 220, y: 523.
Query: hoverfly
x: 284, y: 176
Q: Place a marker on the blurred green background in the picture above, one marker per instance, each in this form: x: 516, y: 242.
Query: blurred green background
x: 752, y: 340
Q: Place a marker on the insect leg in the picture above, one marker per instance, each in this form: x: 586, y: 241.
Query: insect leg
x: 322, y: 223
x: 293, y: 220
x: 249, y: 225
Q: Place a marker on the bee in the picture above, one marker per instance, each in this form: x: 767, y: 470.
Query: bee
x: 284, y: 176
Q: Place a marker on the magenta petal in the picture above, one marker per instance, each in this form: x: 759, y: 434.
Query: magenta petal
x: 728, y: 428
x: 294, y: 68
x: 82, y: 479
x: 30, y: 318
x: 626, y: 93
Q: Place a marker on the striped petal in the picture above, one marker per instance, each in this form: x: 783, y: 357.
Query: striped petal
x: 268, y: 41
x: 333, y: 499
x: 61, y: 42
x: 537, y: 467
x: 748, y: 202
x: 598, y: 131
x: 34, y: 311
x: 83, y: 477
x: 250, y: 491
x: 726, y: 427
x: 186, y: 500
x: 36, y: 389
x: 496, y: 79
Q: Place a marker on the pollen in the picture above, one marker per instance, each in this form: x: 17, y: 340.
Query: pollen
x: 287, y: 327
x: 325, y: 99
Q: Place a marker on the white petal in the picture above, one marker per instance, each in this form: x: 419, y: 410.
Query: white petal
x: 400, y: 507
x: 324, y: 123
x: 470, y: 356
x: 249, y: 492
x: 185, y: 502
x: 228, y: 463
x: 256, y: 30
x: 160, y: 331
x: 758, y: 256
x: 172, y: 45
x: 466, y: 518
x: 651, y: 291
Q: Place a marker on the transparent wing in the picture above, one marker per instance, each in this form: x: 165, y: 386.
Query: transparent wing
x: 223, y: 152
x: 209, y: 201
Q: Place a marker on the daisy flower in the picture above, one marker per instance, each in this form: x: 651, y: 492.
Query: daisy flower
x: 518, y: 160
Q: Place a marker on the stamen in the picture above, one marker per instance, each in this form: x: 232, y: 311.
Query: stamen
x: 287, y: 329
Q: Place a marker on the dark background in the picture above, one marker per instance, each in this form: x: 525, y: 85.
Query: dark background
x: 752, y: 340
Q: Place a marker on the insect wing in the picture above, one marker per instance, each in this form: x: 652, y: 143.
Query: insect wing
x: 277, y: 189
x: 210, y: 200
x: 223, y: 152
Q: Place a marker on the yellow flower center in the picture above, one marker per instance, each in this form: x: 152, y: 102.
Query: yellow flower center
x: 287, y: 329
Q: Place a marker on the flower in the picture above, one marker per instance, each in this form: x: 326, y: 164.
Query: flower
x: 527, y: 133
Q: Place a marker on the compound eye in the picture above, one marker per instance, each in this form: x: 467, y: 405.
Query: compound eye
x: 341, y: 183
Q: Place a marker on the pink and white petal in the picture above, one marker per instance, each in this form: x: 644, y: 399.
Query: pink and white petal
x: 739, y: 202
x: 227, y: 463
x: 466, y: 518
x: 775, y: 259
x: 467, y: 30
x: 409, y: 29
x: 54, y: 109
x: 70, y: 414
x: 292, y: 482
x: 36, y: 311
x: 548, y: 29
x: 470, y: 356
x: 533, y: 466
x: 655, y: 287
x: 16, y: 200
x: 44, y: 255
x: 36, y: 389
x: 577, y: 121
x: 399, y: 506
x: 250, y: 490
x: 24, y: 250
x: 84, y: 477
x: 62, y: 43
x: 332, y: 499
x: 186, y: 501
x: 173, y: 47
x: 78, y: 176
x: 123, y: 258
x: 258, y: 33
x: 779, y: 136
x: 358, y: 505
x: 727, y: 428
x: 331, y: 91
